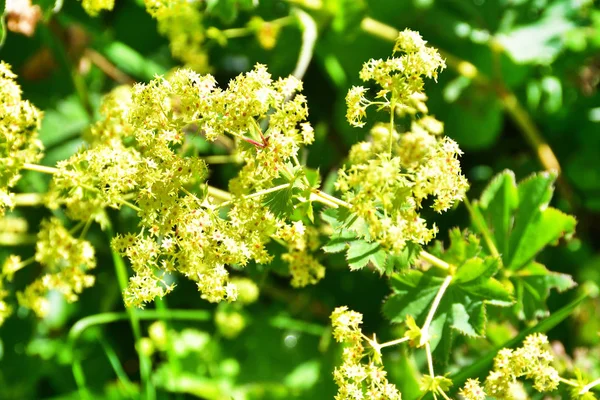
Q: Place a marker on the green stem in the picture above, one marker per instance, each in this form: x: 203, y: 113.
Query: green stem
x: 429, y: 359
x: 41, y: 168
x: 309, y: 38
x: 222, y: 159
x: 567, y: 382
x: 393, y: 342
x: 258, y: 194
x: 123, y: 278
x: 28, y: 199
x: 51, y: 171
x: 433, y: 260
x: 329, y: 199
x: 161, y: 306
x: 142, y: 315
x: 392, y: 113
x: 113, y: 359
x: 218, y: 193
x: 589, y: 386
x: 79, y: 377
x: 16, y: 239
x: 434, y: 306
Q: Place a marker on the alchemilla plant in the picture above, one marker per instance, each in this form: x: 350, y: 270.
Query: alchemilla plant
x: 379, y: 213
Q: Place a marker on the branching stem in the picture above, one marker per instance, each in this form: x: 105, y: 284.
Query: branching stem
x: 589, y: 386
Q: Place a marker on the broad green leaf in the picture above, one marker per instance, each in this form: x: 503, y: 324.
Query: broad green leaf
x: 532, y: 288
x: 280, y: 202
x: 539, y: 42
x: 462, y: 307
x: 536, y: 225
x: 339, y: 241
x: 130, y: 61
x: 500, y: 199
x: 361, y: 252
x: 520, y: 223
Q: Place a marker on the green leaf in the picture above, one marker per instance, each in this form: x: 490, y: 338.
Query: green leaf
x: 500, y: 199
x: 281, y: 202
x: 361, y: 252
x: 536, y: 225
x: 521, y: 224
x: 463, y: 306
x: 532, y: 287
x: 539, y: 42
x: 339, y: 241
x: 131, y: 62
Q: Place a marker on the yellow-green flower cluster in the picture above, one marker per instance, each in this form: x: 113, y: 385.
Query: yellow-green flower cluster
x: 302, y: 241
x: 181, y: 22
x: 66, y: 261
x: 472, y: 390
x: 136, y: 159
x: 19, y: 144
x: 531, y: 361
x: 389, y: 176
x: 358, y: 378
x: 93, y: 7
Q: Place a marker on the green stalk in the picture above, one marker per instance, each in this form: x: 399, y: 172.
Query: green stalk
x: 123, y: 278
x: 142, y: 315
x: 113, y: 359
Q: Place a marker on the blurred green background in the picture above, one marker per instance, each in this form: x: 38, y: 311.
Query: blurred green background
x: 520, y: 92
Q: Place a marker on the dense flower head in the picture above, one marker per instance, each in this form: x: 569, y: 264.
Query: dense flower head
x: 472, y: 390
x: 360, y: 376
x: 19, y: 143
x: 66, y: 261
x: 388, y: 177
x: 532, y: 361
x: 136, y: 158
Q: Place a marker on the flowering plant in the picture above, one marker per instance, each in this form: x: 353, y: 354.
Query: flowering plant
x: 140, y: 181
